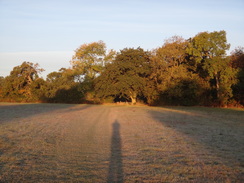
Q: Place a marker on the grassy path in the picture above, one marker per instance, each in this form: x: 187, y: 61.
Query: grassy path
x: 90, y: 143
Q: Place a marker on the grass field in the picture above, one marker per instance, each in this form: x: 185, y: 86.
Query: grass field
x: 96, y: 143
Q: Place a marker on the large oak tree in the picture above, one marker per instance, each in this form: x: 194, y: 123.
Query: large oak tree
x: 126, y: 76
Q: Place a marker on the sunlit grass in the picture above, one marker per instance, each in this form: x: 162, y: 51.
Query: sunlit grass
x: 81, y: 143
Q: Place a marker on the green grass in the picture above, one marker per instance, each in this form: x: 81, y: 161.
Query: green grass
x: 92, y: 143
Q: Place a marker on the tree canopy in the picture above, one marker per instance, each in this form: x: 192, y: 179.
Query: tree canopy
x: 89, y: 59
x: 126, y: 76
x: 194, y: 71
x: 18, y: 84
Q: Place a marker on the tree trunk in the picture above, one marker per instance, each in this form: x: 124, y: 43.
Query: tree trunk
x: 133, y: 98
x: 217, y: 78
x: 217, y: 86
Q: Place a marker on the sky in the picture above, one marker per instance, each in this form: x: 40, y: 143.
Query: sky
x: 48, y: 32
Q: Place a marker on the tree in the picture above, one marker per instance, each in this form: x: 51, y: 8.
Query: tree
x: 172, y: 53
x: 237, y: 62
x: 207, y: 57
x: 61, y: 87
x: 1, y: 86
x: 223, y: 76
x: 17, y: 84
x: 237, y: 58
x: 174, y: 83
x: 206, y: 45
x: 38, y: 90
x: 90, y: 59
x: 126, y: 76
x: 178, y: 86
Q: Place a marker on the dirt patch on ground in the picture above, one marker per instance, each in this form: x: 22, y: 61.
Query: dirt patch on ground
x: 92, y: 143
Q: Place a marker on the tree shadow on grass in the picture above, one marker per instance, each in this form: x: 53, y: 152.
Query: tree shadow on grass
x: 218, y: 130
x: 11, y: 111
x: 115, y: 173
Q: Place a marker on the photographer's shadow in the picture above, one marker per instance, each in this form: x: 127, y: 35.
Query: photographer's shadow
x: 115, y: 173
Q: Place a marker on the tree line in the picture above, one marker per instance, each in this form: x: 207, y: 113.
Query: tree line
x: 194, y: 71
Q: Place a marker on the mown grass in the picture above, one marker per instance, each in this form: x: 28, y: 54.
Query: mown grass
x: 90, y: 143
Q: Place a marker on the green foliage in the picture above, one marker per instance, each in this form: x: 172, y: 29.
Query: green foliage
x: 38, y: 89
x: 1, y: 87
x: 150, y: 92
x: 224, y: 77
x: 181, y: 87
x: 207, y: 57
x: 17, y: 86
x: 180, y: 72
x: 172, y: 53
x: 205, y: 46
x: 62, y: 88
x: 90, y: 59
x: 126, y: 77
x: 237, y: 62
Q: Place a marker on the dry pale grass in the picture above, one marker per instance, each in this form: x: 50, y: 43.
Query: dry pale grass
x: 89, y: 143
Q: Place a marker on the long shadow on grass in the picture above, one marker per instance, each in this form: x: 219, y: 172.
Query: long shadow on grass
x: 220, y: 131
x: 13, y: 111
x: 115, y: 173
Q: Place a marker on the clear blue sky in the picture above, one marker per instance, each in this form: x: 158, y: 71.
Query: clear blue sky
x: 48, y: 31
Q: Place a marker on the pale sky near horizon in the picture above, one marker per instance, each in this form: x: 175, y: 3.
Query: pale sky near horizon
x: 48, y: 31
